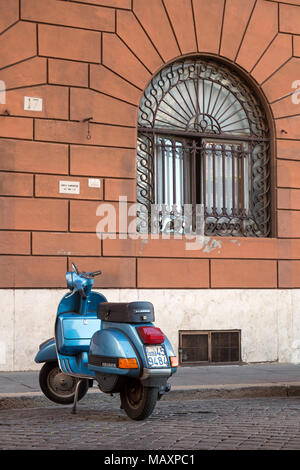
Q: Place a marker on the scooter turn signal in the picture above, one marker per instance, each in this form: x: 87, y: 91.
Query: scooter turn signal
x: 125, y: 363
x: 174, y: 361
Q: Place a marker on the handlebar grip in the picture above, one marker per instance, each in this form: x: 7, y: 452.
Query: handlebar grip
x: 96, y: 273
x: 91, y: 275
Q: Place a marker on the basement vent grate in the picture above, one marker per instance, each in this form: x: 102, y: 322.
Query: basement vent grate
x: 205, y: 347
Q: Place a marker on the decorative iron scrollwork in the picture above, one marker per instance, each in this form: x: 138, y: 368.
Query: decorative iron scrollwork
x: 198, y: 110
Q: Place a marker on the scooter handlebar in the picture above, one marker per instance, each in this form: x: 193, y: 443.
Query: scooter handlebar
x: 90, y: 275
x: 76, y: 283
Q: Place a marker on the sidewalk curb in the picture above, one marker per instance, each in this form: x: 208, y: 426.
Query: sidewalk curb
x: 192, y: 392
x: 291, y: 389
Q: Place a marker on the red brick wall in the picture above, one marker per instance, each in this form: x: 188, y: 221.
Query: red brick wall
x: 94, y: 58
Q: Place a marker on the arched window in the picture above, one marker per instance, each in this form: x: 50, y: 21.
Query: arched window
x: 204, y: 142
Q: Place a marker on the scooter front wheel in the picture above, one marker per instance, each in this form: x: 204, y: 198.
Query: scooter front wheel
x: 137, y: 400
x: 59, y: 387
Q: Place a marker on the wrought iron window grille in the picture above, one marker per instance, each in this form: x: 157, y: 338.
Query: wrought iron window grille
x: 203, y: 142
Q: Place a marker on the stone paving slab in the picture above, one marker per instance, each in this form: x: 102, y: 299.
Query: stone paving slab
x: 269, y: 423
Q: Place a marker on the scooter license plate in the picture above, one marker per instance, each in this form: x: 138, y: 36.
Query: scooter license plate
x: 156, y: 356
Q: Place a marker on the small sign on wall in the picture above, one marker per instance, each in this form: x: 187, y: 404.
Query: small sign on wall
x: 33, y: 104
x: 69, y: 187
x: 94, y: 183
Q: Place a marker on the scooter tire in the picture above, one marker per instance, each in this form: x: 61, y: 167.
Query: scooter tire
x: 137, y: 400
x: 59, y: 387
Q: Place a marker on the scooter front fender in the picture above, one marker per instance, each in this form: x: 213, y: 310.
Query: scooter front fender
x: 107, y: 346
x: 47, y: 352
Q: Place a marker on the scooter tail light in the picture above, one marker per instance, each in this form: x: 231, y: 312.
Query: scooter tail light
x: 151, y: 335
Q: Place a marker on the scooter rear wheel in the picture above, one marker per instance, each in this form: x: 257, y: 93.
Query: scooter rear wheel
x: 137, y: 400
x: 59, y: 387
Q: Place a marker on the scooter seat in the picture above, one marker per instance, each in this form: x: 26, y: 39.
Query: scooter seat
x: 126, y: 312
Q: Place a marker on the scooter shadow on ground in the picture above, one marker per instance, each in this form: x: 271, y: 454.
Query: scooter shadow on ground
x: 114, y: 344
x: 95, y: 413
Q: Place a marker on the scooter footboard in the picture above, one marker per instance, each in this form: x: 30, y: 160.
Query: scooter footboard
x: 111, y: 352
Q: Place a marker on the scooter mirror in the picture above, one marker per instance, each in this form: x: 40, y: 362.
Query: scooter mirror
x: 75, y: 268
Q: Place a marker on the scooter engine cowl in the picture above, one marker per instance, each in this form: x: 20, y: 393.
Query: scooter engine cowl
x: 109, y: 383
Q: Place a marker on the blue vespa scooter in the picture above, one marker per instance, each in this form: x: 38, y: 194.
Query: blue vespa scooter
x: 115, y: 344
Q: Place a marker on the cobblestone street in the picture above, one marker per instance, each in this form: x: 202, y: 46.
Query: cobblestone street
x: 231, y: 424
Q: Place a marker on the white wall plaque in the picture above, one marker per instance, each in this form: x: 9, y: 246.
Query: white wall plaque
x: 33, y: 104
x: 69, y: 187
x: 94, y: 183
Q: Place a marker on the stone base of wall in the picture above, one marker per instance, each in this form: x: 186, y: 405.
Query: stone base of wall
x: 269, y: 320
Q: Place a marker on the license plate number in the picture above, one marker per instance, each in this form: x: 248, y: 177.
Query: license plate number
x: 156, y: 356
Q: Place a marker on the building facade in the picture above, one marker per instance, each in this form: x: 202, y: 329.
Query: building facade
x: 165, y: 108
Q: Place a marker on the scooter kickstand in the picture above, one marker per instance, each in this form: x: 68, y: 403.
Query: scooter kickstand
x: 76, y: 397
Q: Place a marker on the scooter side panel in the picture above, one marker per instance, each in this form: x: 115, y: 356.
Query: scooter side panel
x: 131, y: 332
x: 47, y: 352
x: 107, y: 346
